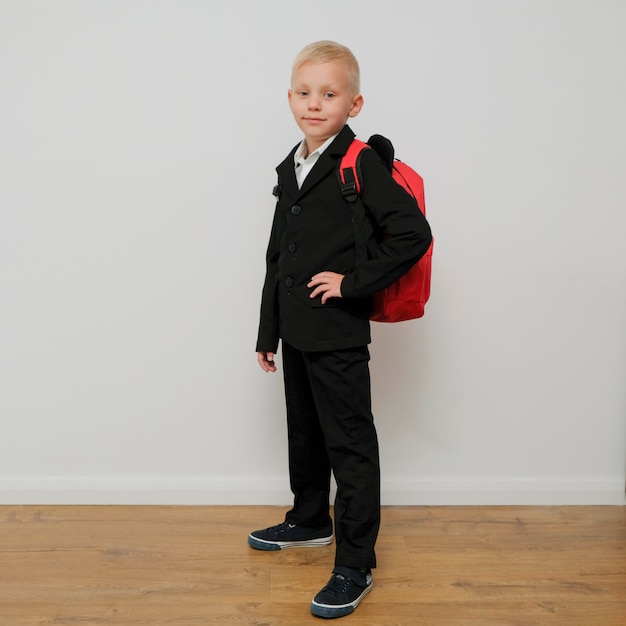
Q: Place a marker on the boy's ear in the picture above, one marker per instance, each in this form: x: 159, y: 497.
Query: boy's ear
x: 357, y: 105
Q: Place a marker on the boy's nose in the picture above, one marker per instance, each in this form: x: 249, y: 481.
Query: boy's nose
x: 314, y: 103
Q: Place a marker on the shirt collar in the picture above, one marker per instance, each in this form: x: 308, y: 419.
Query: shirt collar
x: 300, y: 159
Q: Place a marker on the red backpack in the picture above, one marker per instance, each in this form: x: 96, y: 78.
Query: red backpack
x: 406, y: 297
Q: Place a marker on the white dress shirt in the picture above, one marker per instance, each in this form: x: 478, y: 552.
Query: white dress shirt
x: 304, y: 164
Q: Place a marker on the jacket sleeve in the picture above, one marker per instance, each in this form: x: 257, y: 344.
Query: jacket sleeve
x: 267, y: 338
x: 395, y: 213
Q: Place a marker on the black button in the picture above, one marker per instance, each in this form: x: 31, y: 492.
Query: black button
x: 296, y: 210
x: 289, y: 282
x: 292, y: 247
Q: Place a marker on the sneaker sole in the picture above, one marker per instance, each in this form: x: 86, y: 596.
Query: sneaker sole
x: 330, y: 611
x: 261, y: 544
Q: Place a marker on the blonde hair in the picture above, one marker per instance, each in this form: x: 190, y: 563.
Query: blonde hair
x: 325, y: 51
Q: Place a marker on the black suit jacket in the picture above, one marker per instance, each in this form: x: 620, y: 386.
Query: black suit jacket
x: 312, y: 232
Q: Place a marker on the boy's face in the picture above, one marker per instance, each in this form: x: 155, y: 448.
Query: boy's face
x: 321, y: 100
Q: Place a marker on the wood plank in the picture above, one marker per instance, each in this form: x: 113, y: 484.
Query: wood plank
x: 177, y: 565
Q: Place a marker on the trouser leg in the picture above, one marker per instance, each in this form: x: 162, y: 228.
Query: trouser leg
x: 309, y: 466
x: 341, y: 384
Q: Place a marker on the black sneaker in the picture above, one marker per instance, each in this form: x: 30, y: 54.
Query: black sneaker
x: 287, y: 535
x: 342, y: 594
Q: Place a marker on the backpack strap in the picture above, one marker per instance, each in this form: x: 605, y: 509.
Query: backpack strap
x: 350, y: 170
x: 279, y: 216
x: 349, y: 174
x: 350, y: 166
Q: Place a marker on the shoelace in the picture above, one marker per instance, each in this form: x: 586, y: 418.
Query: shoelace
x: 338, y: 583
x: 281, y: 528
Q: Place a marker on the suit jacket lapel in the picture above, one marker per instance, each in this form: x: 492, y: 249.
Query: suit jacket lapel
x: 326, y: 163
x: 287, y: 174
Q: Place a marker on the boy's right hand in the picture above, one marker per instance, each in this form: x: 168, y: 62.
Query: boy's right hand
x: 266, y: 361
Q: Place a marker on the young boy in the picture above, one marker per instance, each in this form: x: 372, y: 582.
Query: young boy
x: 317, y: 301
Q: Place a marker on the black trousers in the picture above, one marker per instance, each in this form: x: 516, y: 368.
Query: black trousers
x: 331, y: 428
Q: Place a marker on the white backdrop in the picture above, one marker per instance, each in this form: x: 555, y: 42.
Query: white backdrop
x: 138, y: 141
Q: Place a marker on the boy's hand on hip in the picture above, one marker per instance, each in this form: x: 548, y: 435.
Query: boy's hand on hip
x: 327, y: 284
x: 266, y: 361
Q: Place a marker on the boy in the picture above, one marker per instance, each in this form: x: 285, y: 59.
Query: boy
x: 317, y: 301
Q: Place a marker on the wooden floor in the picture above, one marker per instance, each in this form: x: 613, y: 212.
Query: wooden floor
x: 158, y: 566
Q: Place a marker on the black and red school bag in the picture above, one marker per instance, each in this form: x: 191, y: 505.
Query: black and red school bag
x: 405, y: 298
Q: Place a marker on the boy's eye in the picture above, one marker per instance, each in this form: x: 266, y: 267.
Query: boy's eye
x: 303, y: 93
x: 329, y: 94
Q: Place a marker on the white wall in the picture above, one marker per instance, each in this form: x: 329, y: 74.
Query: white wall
x: 137, y: 147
